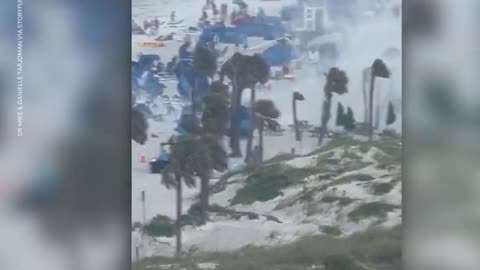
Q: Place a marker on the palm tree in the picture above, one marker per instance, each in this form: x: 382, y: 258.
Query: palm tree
x: 365, y: 75
x: 336, y: 83
x: 214, y: 158
x: 340, y: 115
x: 349, y: 120
x: 391, y: 116
x: 214, y: 125
x: 245, y: 72
x: 267, y: 114
x: 252, y: 126
x: 253, y: 121
x: 296, y: 97
x: 193, y: 156
x: 379, y: 69
x: 139, y: 127
x: 178, y: 169
x: 215, y: 111
x: 204, y: 66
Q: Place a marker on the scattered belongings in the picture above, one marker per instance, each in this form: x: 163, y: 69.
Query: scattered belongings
x: 150, y: 43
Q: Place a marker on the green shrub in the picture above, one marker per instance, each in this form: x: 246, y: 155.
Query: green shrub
x: 326, y: 176
x: 392, y: 147
x: 364, y: 147
x: 390, y: 133
x: 329, y: 161
x: 349, y: 154
x: 391, y: 252
x: 384, y: 246
x: 331, y: 230
x: 349, y: 179
x: 339, y: 262
x: 266, y: 182
x: 193, y: 216
x: 350, y: 166
x: 382, y: 188
x: 342, y: 201
x: 372, y: 209
x: 160, y: 226
x: 242, y: 265
x: 221, y: 184
x: 272, y: 218
x: 232, y: 213
x: 396, y: 179
x: 281, y: 157
x: 373, y: 247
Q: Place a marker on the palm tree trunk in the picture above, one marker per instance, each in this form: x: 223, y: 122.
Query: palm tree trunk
x: 260, y: 140
x: 204, y: 194
x: 364, y: 91
x: 179, y: 216
x: 327, y: 104
x: 295, y: 121
x: 253, y: 124
x: 235, y: 119
x: 370, y: 107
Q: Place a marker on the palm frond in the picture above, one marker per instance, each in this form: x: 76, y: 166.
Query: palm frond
x: 272, y: 124
x: 379, y: 69
x: 215, y: 114
x: 250, y: 70
x: 217, y: 154
x: 298, y: 96
x: 139, y: 127
x: 337, y: 81
x: 168, y: 178
x: 267, y: 108
x: 189, y: 180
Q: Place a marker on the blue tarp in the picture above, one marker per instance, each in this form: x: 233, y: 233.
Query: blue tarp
x: 279, y: 54
x: 142, y: 77
x: 188, y: 79
x: 184, y: 71
x: 184, y: 74
x: 136, y: 74
x: 222, y: 34
x: 150, y: 84
x: 163, y: 156
x: 244, y: 121
x: 268, y: 27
